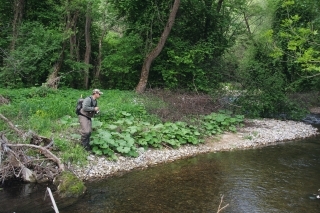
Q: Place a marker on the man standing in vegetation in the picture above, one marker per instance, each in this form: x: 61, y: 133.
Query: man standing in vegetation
x: 89, y: 109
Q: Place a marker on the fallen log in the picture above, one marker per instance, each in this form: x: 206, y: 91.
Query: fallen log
x: 17, y: 163
x: 44, y: 151
x: 16, y: 159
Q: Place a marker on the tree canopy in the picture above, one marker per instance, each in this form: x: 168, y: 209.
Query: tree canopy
x: 260, y: 45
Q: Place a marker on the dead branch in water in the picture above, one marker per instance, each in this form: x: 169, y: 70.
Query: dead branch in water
x: 52, y: 200
x: 219, y: 208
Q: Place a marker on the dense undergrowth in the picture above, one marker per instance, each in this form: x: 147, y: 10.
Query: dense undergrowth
x: 126, y: 122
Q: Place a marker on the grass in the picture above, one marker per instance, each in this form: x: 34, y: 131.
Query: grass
x: 51, y: 113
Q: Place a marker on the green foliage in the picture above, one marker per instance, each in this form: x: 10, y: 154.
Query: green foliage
x: 266, y: 88
x: 270, y: 105
x: 217, y: 123
x: 116, y: 132
x: 35, y: 52
x: 200, y: 35
x: 77, y: 156
x: 69, y: 185
x: 169, y: 134
x: 185, y: 62
x: 122, y: 63
x: 125, y: 135
x: 301, y: 42
x: 115, y: 102
x: 39, y: 110
x: 125, y: 32
x: 294, y: 41
x: 274, y: 67
x: 5, y: 17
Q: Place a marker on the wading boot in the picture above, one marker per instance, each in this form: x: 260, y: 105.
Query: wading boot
x: 85, y: 139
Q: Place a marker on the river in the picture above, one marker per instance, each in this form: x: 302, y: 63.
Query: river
x: 278, y: 178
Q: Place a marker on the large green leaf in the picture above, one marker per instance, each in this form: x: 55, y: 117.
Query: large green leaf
x: 123, y: 149
x: 111, y: 126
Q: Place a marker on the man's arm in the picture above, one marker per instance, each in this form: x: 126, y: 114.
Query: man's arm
x: 86, y: 105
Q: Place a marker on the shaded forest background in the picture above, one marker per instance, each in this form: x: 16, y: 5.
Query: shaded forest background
x: 258, y: 56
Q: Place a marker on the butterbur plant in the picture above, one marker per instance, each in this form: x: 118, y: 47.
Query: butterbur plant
x: 179, y: 133
x: 217, y: 123
x: 115, y: 130
x: 127, y: 134
x: 150, y: 136
x: 109, y: 141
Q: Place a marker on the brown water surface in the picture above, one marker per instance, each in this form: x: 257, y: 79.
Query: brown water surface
x: 280, y: 178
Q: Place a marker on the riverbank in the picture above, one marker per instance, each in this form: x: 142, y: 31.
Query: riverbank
x: 255, y: 133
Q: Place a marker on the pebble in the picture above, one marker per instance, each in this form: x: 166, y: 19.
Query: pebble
x: 255, y: 133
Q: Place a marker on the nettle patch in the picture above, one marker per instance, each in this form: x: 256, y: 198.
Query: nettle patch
x: 127, y: 134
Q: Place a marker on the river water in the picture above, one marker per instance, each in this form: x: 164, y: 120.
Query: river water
x: 279, y: 178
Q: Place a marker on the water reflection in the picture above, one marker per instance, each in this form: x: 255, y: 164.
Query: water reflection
x: 278, y: 178
x: 24, y: 198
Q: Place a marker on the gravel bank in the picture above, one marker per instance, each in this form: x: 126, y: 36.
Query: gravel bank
x: 255, y: 133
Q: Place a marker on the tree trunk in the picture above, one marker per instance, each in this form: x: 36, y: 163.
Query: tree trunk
x: 53, y: 79
x: 249, y: 32
x: 246, y: 21
x: 99, y: 58
x: 219, y: 5
x: 88, y: 46
x: 71, y: 23
x: 157, y: 50
x: 18, y: 9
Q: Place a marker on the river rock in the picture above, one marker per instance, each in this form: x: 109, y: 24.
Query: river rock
x: 255, y: 133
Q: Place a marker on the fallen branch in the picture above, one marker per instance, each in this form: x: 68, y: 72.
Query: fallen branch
x: 44, y: 151
x: 19, y: 132
x: 219, y: 208
x: 52, y: 200
x: 26, y: 173
x: 35, y: 139
x: 17, y: 159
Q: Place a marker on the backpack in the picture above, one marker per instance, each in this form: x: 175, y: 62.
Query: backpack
x: 79, y: 105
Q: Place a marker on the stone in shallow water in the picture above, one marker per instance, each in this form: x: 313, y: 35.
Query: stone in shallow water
x: 69, y: 185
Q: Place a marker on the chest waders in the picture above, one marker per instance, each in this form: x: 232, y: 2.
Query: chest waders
x: 86, y: 129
